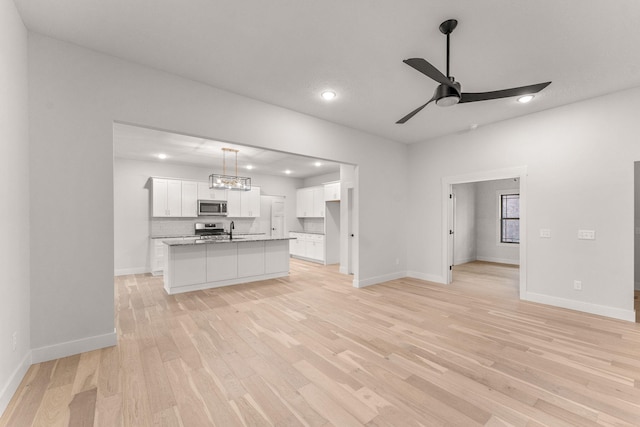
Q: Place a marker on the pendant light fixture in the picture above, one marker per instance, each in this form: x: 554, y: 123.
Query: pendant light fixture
x: 229, y: 182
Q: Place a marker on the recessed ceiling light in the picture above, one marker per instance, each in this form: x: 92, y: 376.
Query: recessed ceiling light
x: 288, y: 172
x: 328, y: 95
x: 524, y: 99
x: 249, y: 167
x: 162, y: 156
x: 317, y: 164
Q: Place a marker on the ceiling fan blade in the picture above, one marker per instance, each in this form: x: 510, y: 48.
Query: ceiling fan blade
x: 413, y: 113
x: 505, y: 93
x: 428, y: 70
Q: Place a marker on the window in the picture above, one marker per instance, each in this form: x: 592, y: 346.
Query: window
x: 509, y: 218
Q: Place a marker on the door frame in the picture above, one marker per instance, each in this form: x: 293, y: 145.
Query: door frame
x: 447, y: 212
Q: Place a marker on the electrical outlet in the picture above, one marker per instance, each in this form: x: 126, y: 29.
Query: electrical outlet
x: 545, y: 233
x: 397, y: 261
x: 577, y: 285
x: 14, y: 340
x: 586, y: 234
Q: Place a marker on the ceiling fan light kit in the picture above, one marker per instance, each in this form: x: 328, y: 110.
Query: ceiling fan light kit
x: 449, y: 92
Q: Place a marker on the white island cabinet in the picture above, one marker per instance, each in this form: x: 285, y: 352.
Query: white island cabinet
x: 192, y: 264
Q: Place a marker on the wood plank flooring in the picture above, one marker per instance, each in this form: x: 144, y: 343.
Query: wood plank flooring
x: 310, y: 350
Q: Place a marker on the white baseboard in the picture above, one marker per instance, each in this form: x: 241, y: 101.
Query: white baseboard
x: 379, y: 279
x: 636, y: 286
x: 587, y: 307
x: 70, y: 348
x: 464, y: 260
x: 10, y: 387
x: 428, y: 277
x: 498, y: 260
x: 127, y: 271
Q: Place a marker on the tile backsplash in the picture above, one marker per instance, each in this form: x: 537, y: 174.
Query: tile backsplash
x: 168, y: 227
x: 313, y: 225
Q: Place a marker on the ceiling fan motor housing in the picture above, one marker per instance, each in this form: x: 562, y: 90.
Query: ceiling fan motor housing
x: 446, y: 95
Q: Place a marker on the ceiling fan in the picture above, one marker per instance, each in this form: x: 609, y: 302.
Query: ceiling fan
x: 449, y: 91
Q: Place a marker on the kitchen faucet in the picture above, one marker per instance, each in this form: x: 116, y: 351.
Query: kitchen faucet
x: 231, y: 227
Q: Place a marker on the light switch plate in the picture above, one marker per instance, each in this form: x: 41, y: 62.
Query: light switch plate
x: 586, y: 234
x: 545, y: 233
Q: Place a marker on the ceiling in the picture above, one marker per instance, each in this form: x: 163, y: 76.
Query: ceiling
x: 133, y: 142
x: 285, y: 52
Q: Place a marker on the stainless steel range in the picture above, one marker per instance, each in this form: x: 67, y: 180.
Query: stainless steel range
x: 210, y: 231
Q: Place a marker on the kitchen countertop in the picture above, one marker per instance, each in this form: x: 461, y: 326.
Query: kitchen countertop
x: 245, y: 238
x: 307, y: 232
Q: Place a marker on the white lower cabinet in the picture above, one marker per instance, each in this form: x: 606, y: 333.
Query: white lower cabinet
x: 250, y: 259
x: 222, y: 262
x: 308, y: 246
x: 201, y: 266
x: 188, y: 265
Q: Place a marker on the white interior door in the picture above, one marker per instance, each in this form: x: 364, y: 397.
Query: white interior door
x: 277, y: 218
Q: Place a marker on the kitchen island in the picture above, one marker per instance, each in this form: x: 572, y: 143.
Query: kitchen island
x: 192, y: 264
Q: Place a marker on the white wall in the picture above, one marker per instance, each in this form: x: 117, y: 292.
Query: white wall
x: 465, y: 229
x: 580, y: 175
x: 637, y: 225
x: 14, y: 193
x: 321, y: 179
x: 132, y: 197
x: 487, y: 225
x: 75, y: 94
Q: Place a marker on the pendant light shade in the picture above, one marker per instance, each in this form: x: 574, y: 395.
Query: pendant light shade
x: 229, y: 182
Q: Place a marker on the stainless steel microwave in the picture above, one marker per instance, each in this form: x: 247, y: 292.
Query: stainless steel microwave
x: 212, y: 207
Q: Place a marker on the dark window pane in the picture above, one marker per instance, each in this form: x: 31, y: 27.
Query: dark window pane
x: 510, y: 218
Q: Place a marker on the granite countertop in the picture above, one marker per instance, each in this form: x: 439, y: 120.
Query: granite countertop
x: 245, y: 238
x: 174, y: 236
x: 306, y: 232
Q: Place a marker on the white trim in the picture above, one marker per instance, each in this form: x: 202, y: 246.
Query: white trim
x: 587, y: 307
x: 236, y: 281
x: 379, y: 279
x: 69, y: 348
x: 464, y: 260
x: 427, y: 277
x: 13, y: 382
x: 499, y: 260
x: 127, y: 271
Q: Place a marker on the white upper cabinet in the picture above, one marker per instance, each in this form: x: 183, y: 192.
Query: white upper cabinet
x: 318, y: 202
x: 310, y: 202
x: 189, y: 199
x: 206, y: 193
x: 304, y: 202
x: 243, y: 204
x: 167, y: 197
x: 332, y: 192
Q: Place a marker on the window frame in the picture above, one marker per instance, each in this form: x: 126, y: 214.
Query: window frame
x: 499, y: 195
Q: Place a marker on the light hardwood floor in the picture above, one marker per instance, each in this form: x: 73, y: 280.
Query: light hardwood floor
x: 311, y: 350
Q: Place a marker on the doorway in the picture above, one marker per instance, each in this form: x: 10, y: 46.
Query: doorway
x: 485, y: 224
x: 450, y: 205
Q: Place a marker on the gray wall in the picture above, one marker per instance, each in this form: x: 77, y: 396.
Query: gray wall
x: 465, y: 236
x: 637, y: 225
x: 76, y: 94
x: 487, y: 227
x: 476, y: 223
x: 579, y: 163
x: 133, y: 225
x: 14, y: 193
